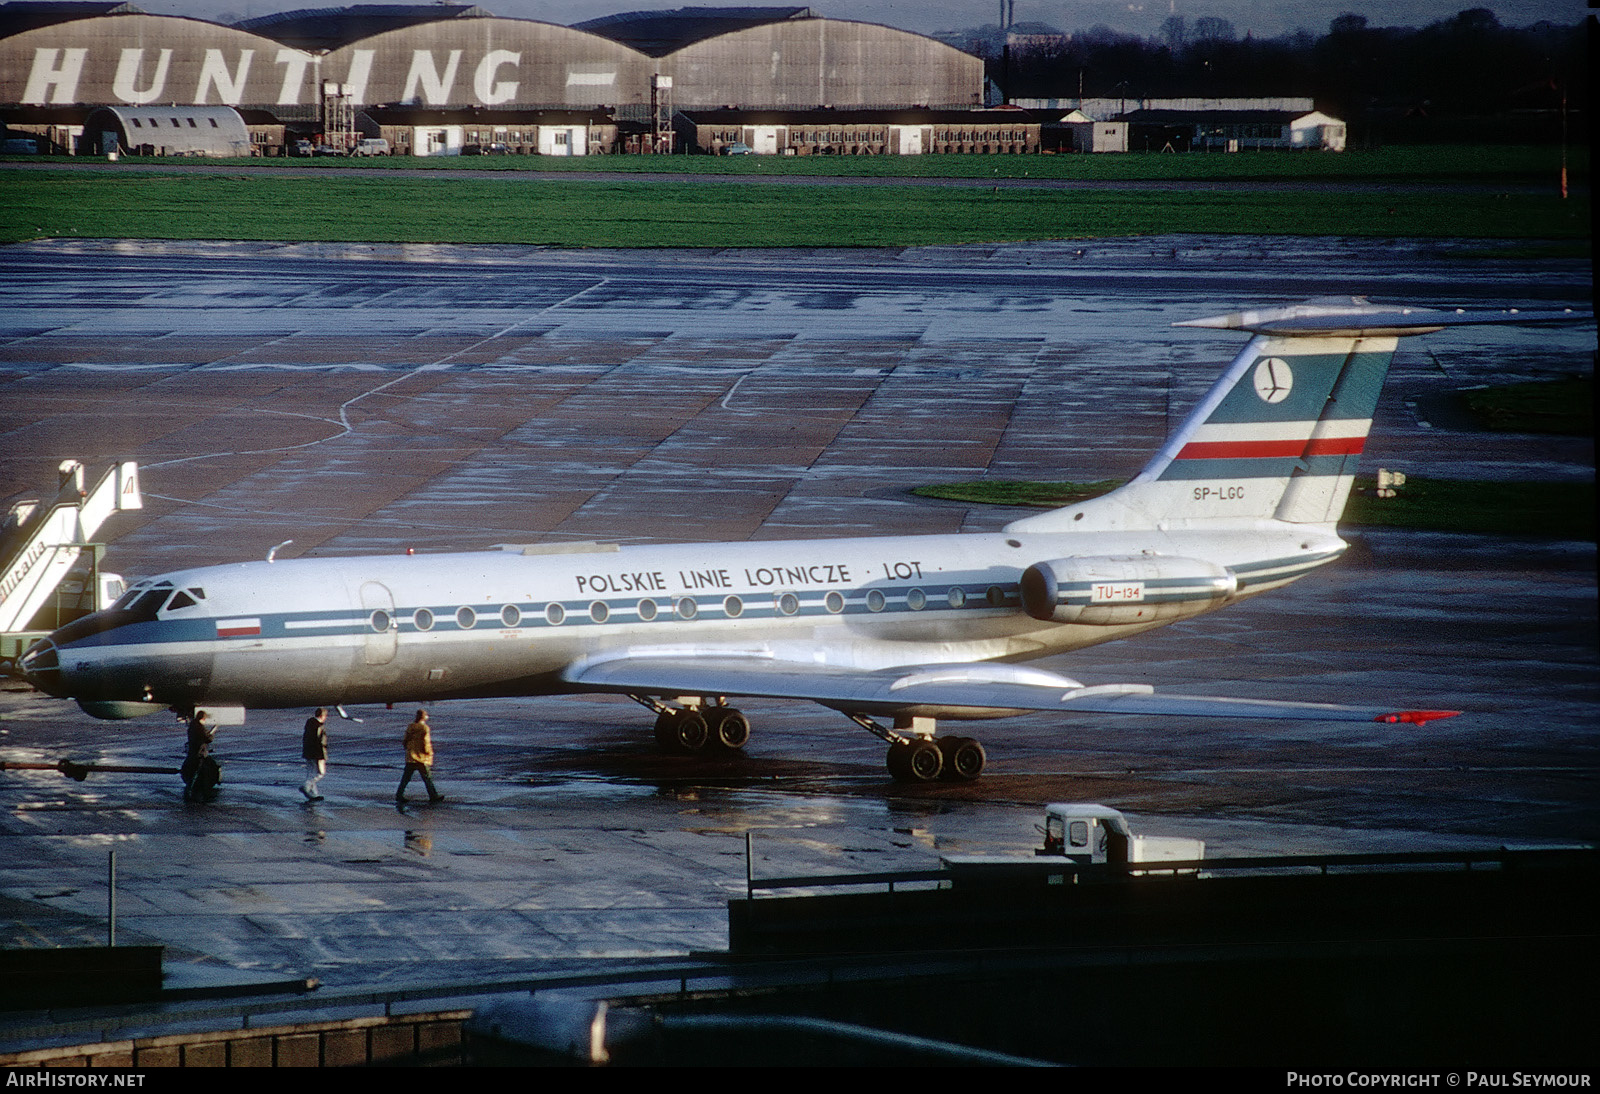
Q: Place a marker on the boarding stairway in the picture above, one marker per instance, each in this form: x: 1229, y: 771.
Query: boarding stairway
x: 42, y: 543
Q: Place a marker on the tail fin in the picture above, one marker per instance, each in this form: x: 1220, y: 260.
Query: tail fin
x: 1279, y: 435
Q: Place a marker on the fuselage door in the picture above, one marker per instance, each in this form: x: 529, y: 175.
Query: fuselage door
x: 383, y: 629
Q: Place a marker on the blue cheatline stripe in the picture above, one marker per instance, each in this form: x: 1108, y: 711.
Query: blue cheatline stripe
x: 349, y: 623
x: 357, y: 622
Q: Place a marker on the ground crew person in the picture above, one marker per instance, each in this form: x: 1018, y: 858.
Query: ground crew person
x: 419, y: 758
x: 314, y: 750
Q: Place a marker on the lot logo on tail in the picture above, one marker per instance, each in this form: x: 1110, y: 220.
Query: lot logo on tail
x: 1274, y: 380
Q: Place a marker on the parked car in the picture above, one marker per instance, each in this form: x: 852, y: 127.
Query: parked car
x: 370, y: 146
x: 21, y: 146
x: 301, y: 147
x: 738, y: 148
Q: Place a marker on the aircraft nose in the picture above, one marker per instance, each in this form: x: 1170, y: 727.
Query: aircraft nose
x: 41, y: 667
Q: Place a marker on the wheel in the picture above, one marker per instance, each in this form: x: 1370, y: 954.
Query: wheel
x: 964, y: 758
x: 682, y: 731
x: 915, y: 762
x: 665, y: 737
x: 729, y: 728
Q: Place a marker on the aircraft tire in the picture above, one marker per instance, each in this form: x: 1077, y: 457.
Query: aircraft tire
x: 683, y: 731
x: 918, y: 761
x: 664, y: 735
x: 964, y: 759
x: 730, y: 729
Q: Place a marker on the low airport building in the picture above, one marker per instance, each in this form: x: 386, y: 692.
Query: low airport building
x: 166, y: 131
x: 1184, y: 125
x: 414, y: 131
x: 1075, y: 131
x: 1234, y: 130
x: 906, y: 132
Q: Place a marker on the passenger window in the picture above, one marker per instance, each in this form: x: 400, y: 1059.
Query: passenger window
x: 733, y: 607
x: 647, y: 610
x: 834, y: 603
x: 916, y: 600
x: 788, y: 604
x: 598, y: 612
x: 466, y: 618
x: 510, y: 615
x: 422, y: 619
x: 876, y: 601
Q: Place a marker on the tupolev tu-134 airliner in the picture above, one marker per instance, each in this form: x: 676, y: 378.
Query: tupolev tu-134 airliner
x: 1242, y: 499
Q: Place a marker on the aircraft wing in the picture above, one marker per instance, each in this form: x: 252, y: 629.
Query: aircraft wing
x: 955, y: 691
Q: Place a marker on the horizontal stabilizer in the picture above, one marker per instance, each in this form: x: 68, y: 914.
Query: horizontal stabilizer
x: 1356, y: 318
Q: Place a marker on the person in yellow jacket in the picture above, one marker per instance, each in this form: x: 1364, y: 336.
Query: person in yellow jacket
x: 419, y: 758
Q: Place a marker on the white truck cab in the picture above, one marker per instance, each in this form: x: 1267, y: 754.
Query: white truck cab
x: 1087, y: 832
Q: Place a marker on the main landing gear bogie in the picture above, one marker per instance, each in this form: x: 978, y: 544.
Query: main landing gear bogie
x: 916, y: 755
x: 693, y: 726
x: 688, y: 730
x: 925, y: 759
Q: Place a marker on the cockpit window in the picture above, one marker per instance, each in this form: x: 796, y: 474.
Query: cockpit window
x: 140, y: 603
x: 180, y: 599
x: 146, y: 606
x: 129, y: 597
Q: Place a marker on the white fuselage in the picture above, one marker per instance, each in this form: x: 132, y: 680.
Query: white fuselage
x: 410, y: 628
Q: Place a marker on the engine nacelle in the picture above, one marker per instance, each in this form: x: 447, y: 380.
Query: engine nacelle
x: 1113, y: 590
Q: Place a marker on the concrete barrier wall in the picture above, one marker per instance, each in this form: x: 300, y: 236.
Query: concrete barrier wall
x: 433, y: 1038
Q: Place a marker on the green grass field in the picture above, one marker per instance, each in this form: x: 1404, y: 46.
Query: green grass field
x: 1562, y: 407
x: 1425, y: 193
x: 1444, y: 164
x: 392, y: 207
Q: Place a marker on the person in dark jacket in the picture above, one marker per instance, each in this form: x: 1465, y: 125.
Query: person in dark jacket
x: 200, y: 772
x: 314, y: 750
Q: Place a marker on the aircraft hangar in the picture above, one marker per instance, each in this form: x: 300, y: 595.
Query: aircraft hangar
x: 297, y: 74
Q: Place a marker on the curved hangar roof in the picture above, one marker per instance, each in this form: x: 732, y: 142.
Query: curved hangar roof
x: 823, y: 62
x: 659, y: 33
x: 135, y: 59
x: 175, y: 130
x: 462, y: 57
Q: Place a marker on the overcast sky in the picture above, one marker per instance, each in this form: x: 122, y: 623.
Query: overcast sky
x: 1264, y: 18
